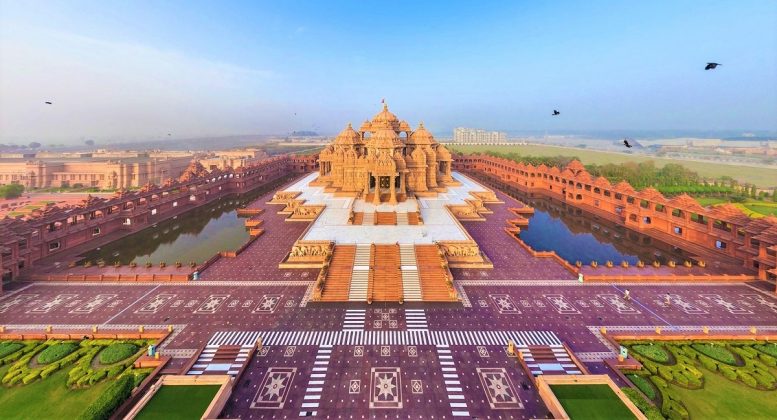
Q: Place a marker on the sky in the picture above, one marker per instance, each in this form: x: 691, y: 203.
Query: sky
x: 118, y: 71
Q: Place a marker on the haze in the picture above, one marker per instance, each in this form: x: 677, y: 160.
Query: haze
x: 124, y: 70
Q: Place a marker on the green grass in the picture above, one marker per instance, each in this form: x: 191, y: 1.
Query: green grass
x: 711, y: 201
x: 47, y: 399
x: 761, y: 177
x: 724, y: 399
x: 655, y: 353
x: 179, y: 402
x: 770, y: 349
x: 764, y: 209
x: 718, y: 353
x: 591, y: 402
x: 117, y: 352
x: 8, y: 347
x: 55, y: 352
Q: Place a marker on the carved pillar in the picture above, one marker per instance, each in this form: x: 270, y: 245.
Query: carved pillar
x: 393, y: 199
x: 402, y: 183
x: 376, y: 199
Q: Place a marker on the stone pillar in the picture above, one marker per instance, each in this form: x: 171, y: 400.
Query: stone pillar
x: 393, y: 199
x: 402, y: 183
x: 376, y: 199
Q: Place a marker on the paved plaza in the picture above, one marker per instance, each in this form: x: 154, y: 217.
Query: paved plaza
x: 386, y: 360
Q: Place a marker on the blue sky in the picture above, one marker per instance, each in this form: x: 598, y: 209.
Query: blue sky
x: 125, y: 70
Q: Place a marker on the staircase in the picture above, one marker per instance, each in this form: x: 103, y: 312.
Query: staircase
x: 360, y: 276
x: 434, y: 286
x: 386, y: 218
x: 411, y: 283
x: 368, y: 219
x: 413, y: 219
x: 387, y: 278
x: 339, y: 275
x: 402, y: 219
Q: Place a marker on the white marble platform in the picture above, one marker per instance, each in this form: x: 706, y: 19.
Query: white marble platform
x: 439, y: 224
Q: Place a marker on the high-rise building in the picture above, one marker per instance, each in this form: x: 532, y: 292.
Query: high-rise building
x: 473, y: 135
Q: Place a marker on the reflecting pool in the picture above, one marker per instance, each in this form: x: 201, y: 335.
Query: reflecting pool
x: 196, y: 235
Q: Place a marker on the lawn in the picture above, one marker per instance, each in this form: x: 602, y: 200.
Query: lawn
x: 48, y: 399
x: 761, y: 177
x: 591, y: 402
x: 179, y: 402
x: 723, y: 399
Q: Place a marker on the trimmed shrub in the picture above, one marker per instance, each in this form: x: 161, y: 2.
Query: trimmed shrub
x: 651, y: 412
x: 666, y: 373
x: 747, y: 378
x: 117, y: 352
x: 655, y: 353
x: 650, y: 366
x: 728, y: 372
x: 716, y: 352
x: 643, y: 385
x: 709, y: 363
x: 55, y: 352
x: 659, y: 381
x: 110, y: 400
x: 115, y: 371
x: 767, y: 360
x: 770, y: 349
x: 8, y: 347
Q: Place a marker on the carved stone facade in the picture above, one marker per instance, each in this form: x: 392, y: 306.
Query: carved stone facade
x: 385, y: 157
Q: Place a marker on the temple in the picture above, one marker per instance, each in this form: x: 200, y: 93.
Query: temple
x: 385, y: 160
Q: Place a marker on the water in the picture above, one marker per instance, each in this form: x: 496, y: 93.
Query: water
x: 578, y: 236
x: 196, y: 235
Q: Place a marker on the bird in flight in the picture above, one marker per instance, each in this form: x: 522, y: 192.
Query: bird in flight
x: 555, y: 112
x: 712, y: 66
x: 626, y: 143
x: 48, y: 102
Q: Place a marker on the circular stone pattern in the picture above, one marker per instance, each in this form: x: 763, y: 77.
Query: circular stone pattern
x: 55, y: 352
x: 117, y: 352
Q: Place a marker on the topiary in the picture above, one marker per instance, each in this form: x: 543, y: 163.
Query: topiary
x: 56, y: 352
x: 116, y: 393
x: 117, y: 352
x: 651, y: 412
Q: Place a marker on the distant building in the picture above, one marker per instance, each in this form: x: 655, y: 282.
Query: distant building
x: 114, y: 169
x: 473, y: 135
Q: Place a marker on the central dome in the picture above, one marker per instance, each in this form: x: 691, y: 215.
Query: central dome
x: 385, y: 119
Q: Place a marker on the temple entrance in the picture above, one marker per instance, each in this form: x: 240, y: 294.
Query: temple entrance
x: 385, y: 182
x: 372, y: 182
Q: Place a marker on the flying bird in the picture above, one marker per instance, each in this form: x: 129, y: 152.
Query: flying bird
x: 555, y: 112
x: 48, y: 103
x: 626, y: 143
x: 712, y: 66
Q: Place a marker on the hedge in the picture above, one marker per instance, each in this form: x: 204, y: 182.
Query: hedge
x: 110, y: 400
x: 643, y: 385
x: 655, y: 353
x: 770, y: 349
x: 8, y: 347
x: 55, y: 352
x: 117, y: 352
x: 651, y: 412
x: 718, y: 353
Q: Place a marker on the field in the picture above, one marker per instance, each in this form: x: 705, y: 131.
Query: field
x: 176, y: 402
x: 761, y: 177
x: 27, y: 402
x: 724, y: 399
x: 708, y: 379
x: 591, y: 402
x: 64, y: 379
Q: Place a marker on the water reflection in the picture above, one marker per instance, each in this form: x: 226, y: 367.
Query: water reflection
x: 195, y: 235
x: 576, y: 235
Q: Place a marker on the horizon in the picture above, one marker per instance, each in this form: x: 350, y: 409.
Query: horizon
x: 116, y: 73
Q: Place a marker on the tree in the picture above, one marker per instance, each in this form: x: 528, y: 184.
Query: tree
x: 11, y: 191
x: 34, y: 145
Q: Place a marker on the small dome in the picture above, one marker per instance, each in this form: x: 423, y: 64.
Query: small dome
x: 366, y: 126
x: 404, y: 126
x: 349, y: 136
x: 421, y: 136
x: 385, y: 116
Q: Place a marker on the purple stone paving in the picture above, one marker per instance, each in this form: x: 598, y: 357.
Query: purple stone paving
x: 251, y: 294
x: 510, y: 260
